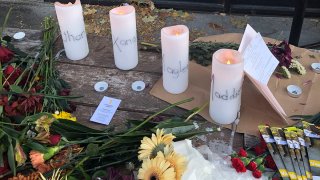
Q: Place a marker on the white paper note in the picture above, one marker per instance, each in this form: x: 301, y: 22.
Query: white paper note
x: 105, y: 111
x: 259, y: 64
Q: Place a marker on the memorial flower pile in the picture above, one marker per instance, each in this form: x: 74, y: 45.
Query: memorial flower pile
x: 29, y: 83
x: 41, y: 143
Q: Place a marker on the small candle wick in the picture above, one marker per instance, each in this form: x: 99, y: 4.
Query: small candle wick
x: 228, y: 62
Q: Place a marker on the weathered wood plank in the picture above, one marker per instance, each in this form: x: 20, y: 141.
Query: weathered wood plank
x: 82, y: 79
x: 101, y: 55
x: 84, y: 113
x: 30, y: 44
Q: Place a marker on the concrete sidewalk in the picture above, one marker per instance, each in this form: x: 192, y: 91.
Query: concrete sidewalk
x: 28, y: 15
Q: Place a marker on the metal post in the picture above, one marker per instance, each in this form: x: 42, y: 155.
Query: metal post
x: 297, y: 21
x: 227, y: 6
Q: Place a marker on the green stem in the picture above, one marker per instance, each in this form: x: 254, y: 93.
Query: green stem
x: 145, y: 121
x: 196, y: 112
x: 5, y: 22
x: 156, y: 114
x: 77, y: 165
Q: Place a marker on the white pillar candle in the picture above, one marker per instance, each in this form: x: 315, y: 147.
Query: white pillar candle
x: 72, y: 29
x: 175, y: 58
x: 227, y: 78
x: 124, y: 37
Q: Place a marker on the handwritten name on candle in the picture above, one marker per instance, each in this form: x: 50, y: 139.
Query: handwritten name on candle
x: 225, y: 95
x: 68, y: 37
x: 175, y: 72
x: 119, y: 43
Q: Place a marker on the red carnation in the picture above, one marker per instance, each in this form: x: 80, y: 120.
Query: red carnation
x: 252, y: 166
x: 8, y: 70
x: 242, y: 153
x: 12, y: 74
x: 257, y: 174
x: 258, y: 150
x: 29, y: 103
x: 5, y: 55
x: 282, y: 52
x: 238, y: 165
x: 54, y: 139
x: 269, y: 162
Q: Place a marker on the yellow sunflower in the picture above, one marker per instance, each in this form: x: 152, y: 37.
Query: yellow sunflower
x: 177, y: 161
x: 150, y: 147
x: 156, y: 169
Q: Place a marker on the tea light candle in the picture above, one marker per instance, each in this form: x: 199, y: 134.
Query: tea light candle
x: 226, y: 83
x: 175, y: 58
x: 124, y: 37
x: 315, y: 67
x: 72, y: 29
x: 294, y: 91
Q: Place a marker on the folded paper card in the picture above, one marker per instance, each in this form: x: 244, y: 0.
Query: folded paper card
x: 105, y: 110
x: 255, y: 108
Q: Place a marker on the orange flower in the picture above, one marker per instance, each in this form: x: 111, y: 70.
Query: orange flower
x: 36, y: 158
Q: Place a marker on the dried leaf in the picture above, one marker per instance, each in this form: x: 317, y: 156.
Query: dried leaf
x: 215, y: 26
x: 148, y: 19
x: 312, y: 56
x: 89, y: 11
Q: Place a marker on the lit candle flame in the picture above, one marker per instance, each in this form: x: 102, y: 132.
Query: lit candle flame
x: 120, y: 12
x: 228, y: 62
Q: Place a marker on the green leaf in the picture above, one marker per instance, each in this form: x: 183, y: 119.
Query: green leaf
x: 16, y: 89
x: 1, y: 107
x: 36, y: 146
x: 72, y: 125
x: 11, y: 160
x: 179, y: 130
x: 71, y: 178
x: 10, y: 131
x: 1, y: 155
x: 92, y: 149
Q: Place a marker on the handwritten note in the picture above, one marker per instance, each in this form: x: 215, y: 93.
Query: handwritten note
x: 105, y: 111
x: 259, y: 64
